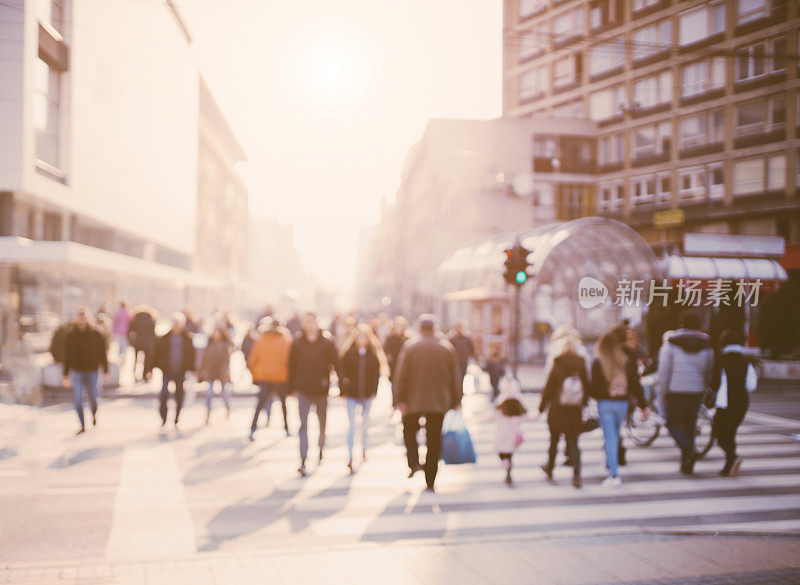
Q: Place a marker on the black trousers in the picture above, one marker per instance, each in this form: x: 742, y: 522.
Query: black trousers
x: 572, y: 450
x: 164, y: 396
x: 267, y: 393
x: 726, y: 423
x: 682, y: 419
x: 433, y: 441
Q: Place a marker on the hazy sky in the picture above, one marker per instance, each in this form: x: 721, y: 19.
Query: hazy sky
x: 327, y: 97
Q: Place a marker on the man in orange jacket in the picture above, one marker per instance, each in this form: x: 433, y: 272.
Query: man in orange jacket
x: 268, y: 363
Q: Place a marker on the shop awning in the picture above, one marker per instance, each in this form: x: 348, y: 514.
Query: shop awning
x: 480, y: 293
x: 708, y: 268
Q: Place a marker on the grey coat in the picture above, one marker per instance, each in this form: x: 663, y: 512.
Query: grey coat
x: 685, y: 363
x: 426, y: 377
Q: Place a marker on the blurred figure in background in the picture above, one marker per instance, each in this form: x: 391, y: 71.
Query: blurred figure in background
x: 193, y: 325
x: 465, y: 350
x: 510, y: 412
x: 248, y: 340
x: 268, y: 362
x: 142, y: 335
x: 174, y: 356
x: 394, y: 343
x: 362, y: 361
x: 312, y: 357
x: 122, y: 320
x: 215, y: 367
x: 294, y: 325
x: 84, y: 355
x: 495, y: 367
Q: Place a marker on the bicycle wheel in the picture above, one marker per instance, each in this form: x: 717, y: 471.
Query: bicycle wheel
x: 642, y: 432
x: 704, y: 436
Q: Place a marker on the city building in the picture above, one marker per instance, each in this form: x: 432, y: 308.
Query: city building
x: 113, y: 157
x: 465, y: 181
x: 696, y: 103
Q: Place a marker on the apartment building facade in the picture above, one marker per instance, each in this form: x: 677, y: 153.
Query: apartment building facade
x: 697, y: 106
x: 101, y: 140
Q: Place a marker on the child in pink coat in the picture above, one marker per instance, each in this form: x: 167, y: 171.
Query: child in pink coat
x: 510, y: 413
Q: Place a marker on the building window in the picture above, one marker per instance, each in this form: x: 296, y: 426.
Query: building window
x: 533, y: 42
x: 652, y: 140
x: 701, y: 23
x: 567, y: 71
x: 46, y: 107
x: 653, y: 91
x: 760, y: 117
x: 603, y: 13
x: 701, y: 129
x: 758, y: 174
x: 533, y: 84
x: 761, y: 59
x: 569, y: 24
x: 609, y: 149
x: 651, y: 40
x: 545, y: 146
x: 750, y: 10
x: 606, y: 57
x: 639, y: 5
x: 663, y: 188
x: 51, y: 12
x: 643, y: 190
x: 702, y: 77
x: 610, y: 196
x: 692, y: 183
x: 530, y: 7
x: 571, y: 109
x: 607, y: 103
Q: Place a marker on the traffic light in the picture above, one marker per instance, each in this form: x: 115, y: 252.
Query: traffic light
x: 516, y: 265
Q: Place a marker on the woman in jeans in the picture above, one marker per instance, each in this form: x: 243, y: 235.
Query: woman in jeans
x: 215, y: 367
x: 614, y: 384
x: 362, y: 362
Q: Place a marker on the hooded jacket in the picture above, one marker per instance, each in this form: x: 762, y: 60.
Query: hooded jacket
x: 563, y: 417
x: 310, y: 364
x: 268, y: 358
x: 685, y: 363
x: 426, y: 378
x: 734, y: 362
x: 508, y: 427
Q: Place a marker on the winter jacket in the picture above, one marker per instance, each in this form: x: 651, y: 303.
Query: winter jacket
x: 268, y: 359
x: 464, y: 347
x: 310, y: 364
x: 734, y: 362
x: 508, y: 427
x: 426, y: 378
x: 84, y: 350
x: 162, y: 355
x: 360, y: 373
x: 496, y: 371
x: 394, y: 343
x: 142, y: 330
x: 564, y: 417
x: 685, y: 363
x: 215, y: 363
x: 598, y: 385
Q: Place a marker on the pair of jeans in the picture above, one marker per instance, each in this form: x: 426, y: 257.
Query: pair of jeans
x: 89, y: 382
x: 573, y: 451
x: 433, y: 442
x: 267, y: 393
x: 681, y: 411
x: 164, y: 396
x: 320, y: 404
x: 224, y: 392
x: 612, y: 414
x: 352, y: 404
x: 122, y: 346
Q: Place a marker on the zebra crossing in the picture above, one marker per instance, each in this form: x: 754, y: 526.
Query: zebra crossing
x: 378, y: 504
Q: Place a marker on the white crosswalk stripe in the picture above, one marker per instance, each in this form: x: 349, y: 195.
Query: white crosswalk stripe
x: 379, y: 504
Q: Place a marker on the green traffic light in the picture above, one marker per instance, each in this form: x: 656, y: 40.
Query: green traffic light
x: 521, y: 277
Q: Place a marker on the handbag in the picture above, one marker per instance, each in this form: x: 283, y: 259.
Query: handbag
x: 457, y: 445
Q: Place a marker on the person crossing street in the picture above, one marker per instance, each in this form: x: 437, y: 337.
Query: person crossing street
x: 174, y: 356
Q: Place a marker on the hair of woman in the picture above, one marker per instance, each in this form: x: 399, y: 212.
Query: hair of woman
x: 611, y: 355
x: 372, y: 341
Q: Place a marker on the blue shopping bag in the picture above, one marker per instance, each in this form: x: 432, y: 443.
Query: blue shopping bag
x: 456, y: 443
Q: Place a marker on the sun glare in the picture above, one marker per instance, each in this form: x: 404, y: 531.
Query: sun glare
x: 334, y: 71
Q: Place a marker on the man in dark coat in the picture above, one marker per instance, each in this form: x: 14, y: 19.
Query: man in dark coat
x: 174, y: 356
x: 465, y: 349
x: 84, y: 355
x: 312, y: 357
x: 426, y: 385
x: 142, y: 336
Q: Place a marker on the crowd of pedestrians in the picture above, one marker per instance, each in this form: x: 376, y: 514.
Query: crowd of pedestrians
x: 426, y: 369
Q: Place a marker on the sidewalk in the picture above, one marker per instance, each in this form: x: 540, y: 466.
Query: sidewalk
x: 640, y: 559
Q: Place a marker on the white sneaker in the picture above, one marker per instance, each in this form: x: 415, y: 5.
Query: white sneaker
x: 613, y: 482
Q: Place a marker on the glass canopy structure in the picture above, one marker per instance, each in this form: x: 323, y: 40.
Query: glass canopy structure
x: 562, y: 254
